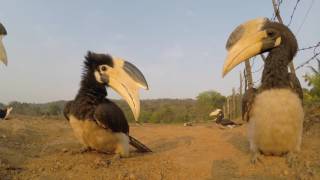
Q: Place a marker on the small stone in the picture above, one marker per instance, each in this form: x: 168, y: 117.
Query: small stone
x: 285, y: 172
x: 65, y: 150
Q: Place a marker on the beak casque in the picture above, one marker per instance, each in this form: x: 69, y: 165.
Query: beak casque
x: 126, y: 79
x: 252, y: 40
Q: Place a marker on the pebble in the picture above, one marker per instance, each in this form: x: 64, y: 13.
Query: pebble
x: 65, y: 150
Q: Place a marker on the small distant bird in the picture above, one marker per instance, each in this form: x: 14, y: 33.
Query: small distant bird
x: 221, y: 120
x: 98, y: 123
x: 3, y: 54
x: 4, y: 113
x: 276, y: 113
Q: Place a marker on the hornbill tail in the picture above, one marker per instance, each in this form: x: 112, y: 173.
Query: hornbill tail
x: 138, y: 145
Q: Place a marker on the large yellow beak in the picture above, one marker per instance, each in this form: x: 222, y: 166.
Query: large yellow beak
x: 3, y: 54
x: 248, y: 40
x: 126, y: 79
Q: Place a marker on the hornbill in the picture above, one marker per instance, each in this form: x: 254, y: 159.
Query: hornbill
x: 276, y: 116
x: 4, y: 113
x: 221, y: 120
x: 3, y: 55
x: 98, y: 123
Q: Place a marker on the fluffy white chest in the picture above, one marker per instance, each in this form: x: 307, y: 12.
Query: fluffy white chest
x: 92, y: 135
x: 276, y: 120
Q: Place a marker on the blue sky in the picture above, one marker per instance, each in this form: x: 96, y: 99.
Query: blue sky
x: 179, y: 45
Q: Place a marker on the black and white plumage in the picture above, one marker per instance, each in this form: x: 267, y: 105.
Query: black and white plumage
x: 276, y: 113
x: 3, y: 54
x: 221, y: 120
x: 97, y: 122
x: 4, y: 113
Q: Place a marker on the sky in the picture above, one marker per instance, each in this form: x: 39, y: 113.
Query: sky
x: 179, y: 45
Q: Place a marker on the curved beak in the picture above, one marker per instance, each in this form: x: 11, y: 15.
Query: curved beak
x: 126, y: 79
x: 3, y: 54
x: 251, y: 40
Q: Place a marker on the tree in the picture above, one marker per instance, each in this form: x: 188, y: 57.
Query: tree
x: 54, y: 110
x: 211, y: 99
x: 208, y: 101
x: 313, y: 80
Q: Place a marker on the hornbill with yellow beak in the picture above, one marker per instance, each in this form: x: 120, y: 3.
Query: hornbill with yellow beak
x: 98, y: 123
x: 276, y: 116
x: 3, y: 55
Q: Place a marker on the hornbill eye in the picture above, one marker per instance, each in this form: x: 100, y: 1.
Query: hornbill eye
x: 103, y: 68
x: 271, y: 33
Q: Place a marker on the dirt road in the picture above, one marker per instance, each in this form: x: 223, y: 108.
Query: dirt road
x: 34, y: 148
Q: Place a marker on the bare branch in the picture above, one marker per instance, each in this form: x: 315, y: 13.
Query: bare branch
x: 277, y: 11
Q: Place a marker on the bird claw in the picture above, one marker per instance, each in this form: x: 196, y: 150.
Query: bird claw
x: 114, y: 159
x: 85, y: 150
x: 292, y: 159
x: 255, y: 158
x: 82, y: 150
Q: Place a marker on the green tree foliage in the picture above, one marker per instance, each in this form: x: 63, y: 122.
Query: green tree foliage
x: 313, y: 80
x: 152, y: 111
x: 208, y: 101
x: 33, y: 109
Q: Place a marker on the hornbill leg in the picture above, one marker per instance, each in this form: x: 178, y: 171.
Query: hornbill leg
x: 255, y: 154
x: 255, y: 157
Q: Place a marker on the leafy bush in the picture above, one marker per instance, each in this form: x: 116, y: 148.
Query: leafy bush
x: 313, y: 95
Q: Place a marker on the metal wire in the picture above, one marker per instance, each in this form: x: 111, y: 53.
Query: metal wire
x: 294, y: 10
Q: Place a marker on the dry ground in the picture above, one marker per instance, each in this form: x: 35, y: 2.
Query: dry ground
x: 35, y: 148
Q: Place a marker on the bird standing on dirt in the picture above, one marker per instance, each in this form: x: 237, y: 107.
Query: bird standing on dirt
x: 276, y: 116
x: 221, y: 120
x: 98, y: 123
x: 3, y: 54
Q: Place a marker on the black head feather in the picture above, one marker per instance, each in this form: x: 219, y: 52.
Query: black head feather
x: 94, y: 59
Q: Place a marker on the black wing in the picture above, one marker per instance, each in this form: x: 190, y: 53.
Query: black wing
x: 295, y: 85
x: 109, y: 115
x: 66, y: 110
x: 247, y: 101
x: 3, y: 113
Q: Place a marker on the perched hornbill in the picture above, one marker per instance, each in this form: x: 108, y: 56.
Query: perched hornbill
x: 97, y: 122
x: 276, y: 115
x: 3, y: 55
x: 4, y: 113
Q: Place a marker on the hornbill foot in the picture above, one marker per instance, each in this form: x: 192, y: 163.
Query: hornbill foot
x: 82, y: 150
x: 113, y: 159
x: 292, y: 159
x: 255, y: 157
x: 85, y: 150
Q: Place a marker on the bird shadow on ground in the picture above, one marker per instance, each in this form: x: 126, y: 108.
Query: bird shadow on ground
x: 239, y: 142
x: 228, y: 169
x: 223, y: 169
